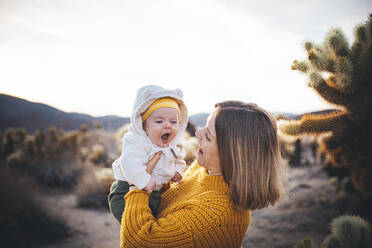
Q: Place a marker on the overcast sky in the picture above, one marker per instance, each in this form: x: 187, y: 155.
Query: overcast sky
x: 91, y: 56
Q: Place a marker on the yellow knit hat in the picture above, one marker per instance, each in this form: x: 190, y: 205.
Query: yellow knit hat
x: 165, y: 102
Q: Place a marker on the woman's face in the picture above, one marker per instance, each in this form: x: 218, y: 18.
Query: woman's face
x: 208, y: 152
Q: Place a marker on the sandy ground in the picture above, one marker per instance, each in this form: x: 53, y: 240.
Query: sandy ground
x: 89, y: 228
x: 306, y: 212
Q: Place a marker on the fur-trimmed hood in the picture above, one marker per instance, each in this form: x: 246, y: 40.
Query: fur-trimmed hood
x: 146, y: 96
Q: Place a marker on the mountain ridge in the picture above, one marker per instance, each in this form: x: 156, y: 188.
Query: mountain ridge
x: 18, y: 112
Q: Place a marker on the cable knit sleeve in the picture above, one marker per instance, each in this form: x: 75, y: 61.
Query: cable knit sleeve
x: 139, y: 228
x: 197, y: 212
x: 210, y: 223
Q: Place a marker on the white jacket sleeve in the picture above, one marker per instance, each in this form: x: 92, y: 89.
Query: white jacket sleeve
x: 133, y: 159
x: 180, y: 166
x: 180, y: 162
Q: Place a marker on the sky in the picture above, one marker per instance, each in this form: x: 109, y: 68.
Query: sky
x: 90, y: 56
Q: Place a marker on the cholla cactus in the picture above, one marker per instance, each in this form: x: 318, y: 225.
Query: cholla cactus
x: 7, y: 143
x: 346, y: 232
x: 84, y: 128
x: 15, y: 159
x: 349, y: 231
x: 305, y: 243
x: 97, y: 154
x: 342, y: 76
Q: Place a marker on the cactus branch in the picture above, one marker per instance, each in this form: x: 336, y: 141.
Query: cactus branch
x: 328, y: 93
x: 313, y: 124
x: 300, y: 66
x: 337, y: 42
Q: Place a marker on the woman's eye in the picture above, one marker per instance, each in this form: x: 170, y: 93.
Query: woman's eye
x: 206, y: 136
x: 174, y: 122
x: 159, y: 122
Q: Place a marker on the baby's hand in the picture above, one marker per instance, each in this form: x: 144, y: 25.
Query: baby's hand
x: 150, y: 186
x: 150, y: 165
x: 176, y: 178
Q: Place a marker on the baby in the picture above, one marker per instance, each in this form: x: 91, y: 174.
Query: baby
x: 158, y: 120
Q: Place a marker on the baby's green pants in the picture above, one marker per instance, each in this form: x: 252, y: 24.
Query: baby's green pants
x: 117, y: 203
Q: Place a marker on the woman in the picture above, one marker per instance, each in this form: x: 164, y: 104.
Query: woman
x: 237, y: 171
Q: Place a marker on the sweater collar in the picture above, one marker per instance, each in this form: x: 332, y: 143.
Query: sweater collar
x: 211, y: 181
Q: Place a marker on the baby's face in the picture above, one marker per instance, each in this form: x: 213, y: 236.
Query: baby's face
x: 162, y: 126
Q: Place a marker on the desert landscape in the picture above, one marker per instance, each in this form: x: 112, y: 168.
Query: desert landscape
x: 67, y: 175
x: 55, y: 167
x: 307, y: 211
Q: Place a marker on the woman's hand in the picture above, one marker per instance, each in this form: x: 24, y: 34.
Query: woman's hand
x: 176, y: 178
x: 150, y: 186
x: 150, y: 165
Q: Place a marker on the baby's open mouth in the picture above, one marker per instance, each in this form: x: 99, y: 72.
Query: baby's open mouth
x: 165, y: 136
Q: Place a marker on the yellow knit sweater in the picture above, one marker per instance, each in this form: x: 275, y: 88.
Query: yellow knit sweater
x: 195, y: 213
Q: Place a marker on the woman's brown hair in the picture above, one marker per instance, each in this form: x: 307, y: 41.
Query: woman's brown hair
x: 249, y: 154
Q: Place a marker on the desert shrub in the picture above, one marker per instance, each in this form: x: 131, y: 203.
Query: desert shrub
x: 49, y: 157
x: 106, y: 177
x: 191, y: 147
x: 7, y: 142
x: 97, y: 125
x: 99, y: 148
x: 94, y: 187
x: 83, y: 153
x: 39, y: 141
x: 57, y: 158
x: 23, y: 221
x: 300, y: 151
x: 97, y: 154
x: 122, y: 131
x: 15, y: 159
x: 64, y: 173
x: 84, y: 128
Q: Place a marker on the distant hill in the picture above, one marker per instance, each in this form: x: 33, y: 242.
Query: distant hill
x: 198, y: 120
x: 17, y: 112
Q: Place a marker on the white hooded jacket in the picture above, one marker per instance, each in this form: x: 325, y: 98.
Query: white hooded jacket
x: 138, y: 149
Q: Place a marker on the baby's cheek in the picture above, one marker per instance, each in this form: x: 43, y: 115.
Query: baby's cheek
x: 174, y: 134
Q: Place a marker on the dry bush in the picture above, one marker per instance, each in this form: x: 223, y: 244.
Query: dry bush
x: 46, y: 156
x: 94, y: 187
x: 102, y: 147
x: 299, y: 151
x: 97, y: 154
x: 57, y: 158
x: 122, y: 131
x: 65, y: 173
x: 191, y: 147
